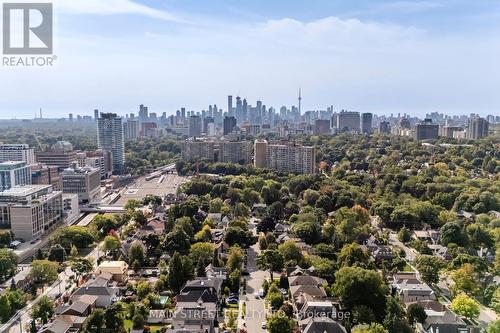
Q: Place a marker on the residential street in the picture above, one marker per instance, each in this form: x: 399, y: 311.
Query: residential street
x: 255, y: 310
x: 56, y: 289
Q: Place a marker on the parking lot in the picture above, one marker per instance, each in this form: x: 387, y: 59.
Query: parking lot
x: 160, y: 186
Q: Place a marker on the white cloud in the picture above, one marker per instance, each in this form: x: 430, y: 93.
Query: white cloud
x: 113, y: 7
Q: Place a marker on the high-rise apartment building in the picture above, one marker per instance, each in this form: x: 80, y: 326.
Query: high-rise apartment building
x: 96, y: 115
x: 194, y: 126
x: 110, y: 138
x: 193, y: 150
x: 17, y: 152
x: 229, y: 125
x: 477, y: 128
x: 84, y: 181
x: 291, y: 158
x: 239, y: 152
x: 321, y: 127
x: 348, y: 121
x: 30, y: 211
x: 366, y: 123
x: 285, y: 158
x: 230, y: 111
x: 426, y: 130
x: 14, y: 174
x: 260, y: 153
x: 384, y: 127
x: 131, y: 129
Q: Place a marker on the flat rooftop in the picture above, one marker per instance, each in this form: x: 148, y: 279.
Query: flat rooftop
x: 23, y: 191
x: 11, y: 164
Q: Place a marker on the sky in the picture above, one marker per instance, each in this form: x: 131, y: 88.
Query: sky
x: 384, y: 57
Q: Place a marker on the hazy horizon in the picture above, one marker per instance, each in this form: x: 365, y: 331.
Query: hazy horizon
x: 383, y: 57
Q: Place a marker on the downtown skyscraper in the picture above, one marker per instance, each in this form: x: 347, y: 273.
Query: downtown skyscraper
x: 110, y: 138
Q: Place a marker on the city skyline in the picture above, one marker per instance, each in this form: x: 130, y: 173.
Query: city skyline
x: 386, y: 57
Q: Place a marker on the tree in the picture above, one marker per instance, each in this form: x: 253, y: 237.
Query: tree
x: 274, y: 297
x: 394, y: 320
x: 203, y: 252
x: 372, y: 328
x: 138, y: 321
x: 452, y: 232
x: 8, y: 264
x: 81, y: 266
x: 104, y: 224
x: 270, y: 260
x: 132, y: 204
x: 113, y: 316
x: 416, y: 313
x: 238, y: 235
x: 465, y: 306
x: 204, y: 235
x: 175, y: 275
x: 44, y: 271
x: 234, y: 259
x: 79, y: 236
x: 43, y: 309
x: 154, y: 200
x: 309, y: 231
x: 111, y: 244
x: 177, y: 240
x: 5, y: 308
x: 143, y: 289
x: 465, y: 279
x: 291, y: 253
x: 136, y: 253
x: 95, y: 321
x: 404, y: 235
x: 353, y: 255
x: 352, y: 284
x: 280, y: 323
x: 429, y: 268
x: 493, y: 327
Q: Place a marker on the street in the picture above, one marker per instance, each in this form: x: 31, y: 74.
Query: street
x: 255, y: 309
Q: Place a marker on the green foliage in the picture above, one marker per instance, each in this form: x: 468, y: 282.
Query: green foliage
x: 79, y: 236
x: 429, y: 268
x: 416, y: 313
x: 352, y: 284
x: 465, y: 306
x: 452, y: 232
x: 43, y: 309
x: 8, y: 264
x: 291, y: 253
x: 353, y: 255
x: 203, y: 252
x: 372, y: 328
x: 44, y: 271
x: 494, y: 327
x: 280, y: 323
x: 404, y: 235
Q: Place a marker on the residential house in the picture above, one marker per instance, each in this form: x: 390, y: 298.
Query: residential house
x: 440, y: 320
x: 410, y: 289
x: 106, y: 294
x: 305, y: 288
x: 383, y: 253
x: 117, y: 269
x: 320, y: 325
x: 80, y: 306
x: 441, y: 251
